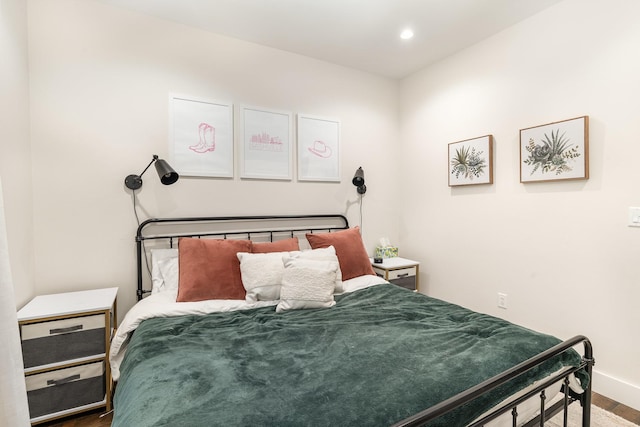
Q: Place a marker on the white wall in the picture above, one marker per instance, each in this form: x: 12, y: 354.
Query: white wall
x: 562, y: 251
x: 100, y: 80
x: 16, y: 235
x: 15, y: 153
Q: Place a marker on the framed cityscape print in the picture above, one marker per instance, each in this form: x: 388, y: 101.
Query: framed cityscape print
x: 201, y: 137
x: 471, y: 161
x: 555, y: 151
x: 318, y: 149
x: 266, y: 144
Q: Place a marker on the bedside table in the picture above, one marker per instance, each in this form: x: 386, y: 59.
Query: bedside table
x: 65, y: 347
x: 399, y: 271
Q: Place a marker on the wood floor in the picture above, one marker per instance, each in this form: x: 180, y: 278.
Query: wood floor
x: 619, y: 409
x: 88, y: 419
x: 93, y: 419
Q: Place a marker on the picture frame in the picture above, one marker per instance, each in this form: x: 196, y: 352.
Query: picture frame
x: 555, y: 151
x: 266, y: 144
x: 471, y: 161
x: 201, y: 139
x: 318, y: 148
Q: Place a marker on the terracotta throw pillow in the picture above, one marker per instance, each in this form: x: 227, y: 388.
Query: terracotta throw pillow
x: 209, y: 269
x: 352, y: 255
x: 285, y: 245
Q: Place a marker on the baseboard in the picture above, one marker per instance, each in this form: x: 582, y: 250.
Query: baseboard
x: 618, y: 390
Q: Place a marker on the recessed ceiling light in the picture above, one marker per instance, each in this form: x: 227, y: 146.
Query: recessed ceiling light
x: 406, y: 34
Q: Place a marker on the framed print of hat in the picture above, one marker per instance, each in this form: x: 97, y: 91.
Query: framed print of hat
x: 318, y: 149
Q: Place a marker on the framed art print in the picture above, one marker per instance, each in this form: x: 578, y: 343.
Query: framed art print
x: 471, y: 161
x: 266, y: 144
x: 318, y: 149
x: 201, y: 137
x: 555, y: 151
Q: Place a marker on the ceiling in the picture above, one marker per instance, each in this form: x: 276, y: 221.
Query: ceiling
x: 360, y: 34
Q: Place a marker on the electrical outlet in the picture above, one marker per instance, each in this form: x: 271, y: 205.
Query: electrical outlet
x: 502, y: 300
x: 634, y: 217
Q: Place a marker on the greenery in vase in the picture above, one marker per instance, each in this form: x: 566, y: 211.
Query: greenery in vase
x: 468, y: 163
x: 552, y: 155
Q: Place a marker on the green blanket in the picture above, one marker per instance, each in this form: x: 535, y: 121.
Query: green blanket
x: 378, y: 356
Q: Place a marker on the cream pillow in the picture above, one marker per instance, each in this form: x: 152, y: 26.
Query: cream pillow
x: 262, y: 275
x: 307, y: 283
x: 324, y: 254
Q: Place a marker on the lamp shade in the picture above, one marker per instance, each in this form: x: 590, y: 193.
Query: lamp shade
x: 166, y: 173
x: 358, y: 181
x: 358, y: 178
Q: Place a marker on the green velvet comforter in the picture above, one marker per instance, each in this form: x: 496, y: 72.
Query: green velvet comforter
x: 378, y: 356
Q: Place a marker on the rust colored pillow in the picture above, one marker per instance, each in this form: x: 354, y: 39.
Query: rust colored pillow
x: 285, y: 245
x: 209, y: 269
x: 352, y: 255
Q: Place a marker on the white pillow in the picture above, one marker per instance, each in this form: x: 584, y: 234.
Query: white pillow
x: 170, y: 273
x: 307, y: 283
x: 362, y: 282
x: 323, y: 254
x: 262, y: 275
x: 157, y: 279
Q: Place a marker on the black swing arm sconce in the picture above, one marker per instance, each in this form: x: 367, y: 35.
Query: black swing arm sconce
x: 166, y: 173
x: 358, y: 181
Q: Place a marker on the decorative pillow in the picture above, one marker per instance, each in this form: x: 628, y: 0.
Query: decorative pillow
x: 285, y: 245
x: 350, y: 250
x: 262, y: 275
x: 362, y: 282
x: 323, y: 254
x: 307, y: 283
x: 158, y: 256
x: 210, y: 269
x: 170, y: 274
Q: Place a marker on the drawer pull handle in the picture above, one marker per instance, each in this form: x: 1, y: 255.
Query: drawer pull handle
x: 64, y: 330
x: 63, y: 380
x: 403, y: 275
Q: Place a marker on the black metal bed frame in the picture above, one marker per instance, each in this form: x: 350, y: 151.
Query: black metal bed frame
x: 332, y: 222
x: 569, y: 396
x: 305, y: 224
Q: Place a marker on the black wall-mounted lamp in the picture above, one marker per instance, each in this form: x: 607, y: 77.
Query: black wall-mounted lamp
x: 358, y: 181
x: 166, y: 173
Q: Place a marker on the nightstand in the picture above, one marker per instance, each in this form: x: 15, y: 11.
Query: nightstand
x: 399, y: 271
x: 65, y: 347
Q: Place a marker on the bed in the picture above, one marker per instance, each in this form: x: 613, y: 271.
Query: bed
x: 315, y: 338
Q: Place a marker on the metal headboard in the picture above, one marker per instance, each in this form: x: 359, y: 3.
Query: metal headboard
x: 270, y: 228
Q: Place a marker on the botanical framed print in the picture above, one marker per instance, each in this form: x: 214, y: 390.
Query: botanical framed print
x: 318, y: 149
x: 266, y: 144
x: 201, y: 137
x: 471, y: 161
x: 555, y: 151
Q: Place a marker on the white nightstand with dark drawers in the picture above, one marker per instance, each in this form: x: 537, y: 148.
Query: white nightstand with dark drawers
x: 399, y: 271
x: 65, y: 348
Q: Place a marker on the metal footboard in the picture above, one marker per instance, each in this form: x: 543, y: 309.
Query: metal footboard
x: 432, y: 413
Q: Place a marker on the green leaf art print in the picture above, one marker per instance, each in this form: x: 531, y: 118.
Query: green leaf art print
x: 468, y: 163
x: 553, y: 154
